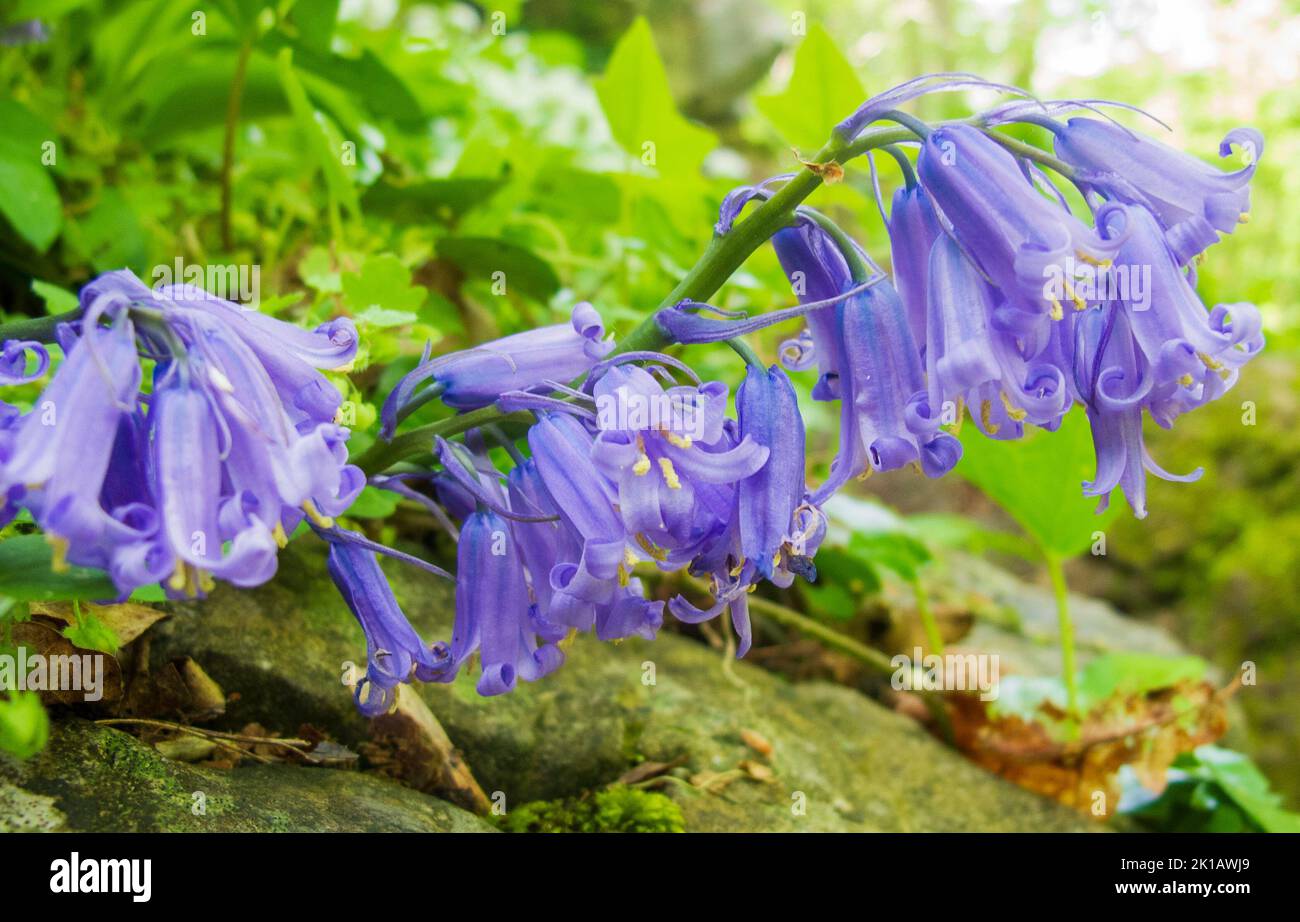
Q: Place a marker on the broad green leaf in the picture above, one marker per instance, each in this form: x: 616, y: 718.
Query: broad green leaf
x: 381, y: 294
x: 1038, y: 481
x: 415, y: 203
x: 315, y: 21
x: 24, y: 726
x: 481, y: 257
x: 1127, y: 674
x: 110, y: 236
x: 29, y: 199
x: 317, y: 271
x: 366, y: 77
x: 639, y: 106
x: 26, y: 574
x: 57, y: 300
x: 823, y: 90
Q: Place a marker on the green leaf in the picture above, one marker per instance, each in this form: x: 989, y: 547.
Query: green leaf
x: 57, y: 300
x: 1038, y: 481
x: 26, y: 574
x: 365, y: 76
x: 319, y: 135
x: 373, y: 503
x: 315, y: 21
x: 444, y: 199
x: 89, y: 633
x: 29, y: 199
x: 823, y: 90
x: 639, y: 106
x: 318, y: 272
x: 1127, y: 674
x: 481, y: 257
x: 896, y: 551
x: 381, y: 294
x: 24, y: 726
x: 110, y: 236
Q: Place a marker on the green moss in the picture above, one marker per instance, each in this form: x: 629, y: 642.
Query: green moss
x: 617, y: 808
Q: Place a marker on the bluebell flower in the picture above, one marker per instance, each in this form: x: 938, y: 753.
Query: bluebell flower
x: 1192, y: 201
x: 970, y: 361
x: 494, y: 615
x: 395, y: 654
x: 768, y: 412
x: 1012, y: 233
x: 1190, y: 355
x: 477, y: 377
x: 233, y: 447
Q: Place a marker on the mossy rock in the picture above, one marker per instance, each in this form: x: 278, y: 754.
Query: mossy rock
x: 96, y: 779
x: 839, y: 761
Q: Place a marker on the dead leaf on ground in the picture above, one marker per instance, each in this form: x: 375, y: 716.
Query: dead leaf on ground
x: 65, y: 674
x: 410, y: 745
x: 648, y: 771
x: 1146, y: 731
x: 127, y: 620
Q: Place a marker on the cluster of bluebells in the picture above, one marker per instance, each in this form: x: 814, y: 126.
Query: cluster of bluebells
x: 181, y: 439
x: 1002, y: 302
x: 638, y: 465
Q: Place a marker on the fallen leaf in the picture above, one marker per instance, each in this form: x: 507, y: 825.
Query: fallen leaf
x: 186, y: 748
x: 410, y: 745
x: 64, y: 673
x: 127, y: 620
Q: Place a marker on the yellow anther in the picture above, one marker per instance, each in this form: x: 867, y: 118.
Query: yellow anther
x: 281, y: 539
x: 961, y: 416
x: 866, y: 473
x: 1057, y: 311
x: 206, y: 582
x: 178, y: 578
x: 1012, y: 410
x: 681, y: 441
x: 1210, y: 363
x: 642, y: 466
x: 1185, y: 380
x: 568, y: 639
x: 986, y: 417
x: 1243, y: 218
x: 656, y: 552
x: 622, y: 575
x: 670, y: 475
x: 313, y: 513
x: 1093, y: 261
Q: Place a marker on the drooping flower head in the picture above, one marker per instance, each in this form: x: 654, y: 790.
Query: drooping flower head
x: 232, y: 447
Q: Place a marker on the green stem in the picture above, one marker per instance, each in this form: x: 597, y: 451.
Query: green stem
x: 228, y: 144
x: 37, y: 329
x: 746, y: 352
x: 932, y: 635
x: 1055, y: 567
x: 419, y: 440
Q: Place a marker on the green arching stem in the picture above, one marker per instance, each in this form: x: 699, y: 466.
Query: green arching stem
x: 746, y: 352
x: 37, y: 329
x: 932, y: 635
x: 1056, y: 569
x: 419, y: 441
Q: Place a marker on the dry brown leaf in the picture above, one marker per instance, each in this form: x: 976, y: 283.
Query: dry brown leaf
x: 410, y: 745
x: 63, y: 665
x: 1145, y: 731
x: 127, y: 620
